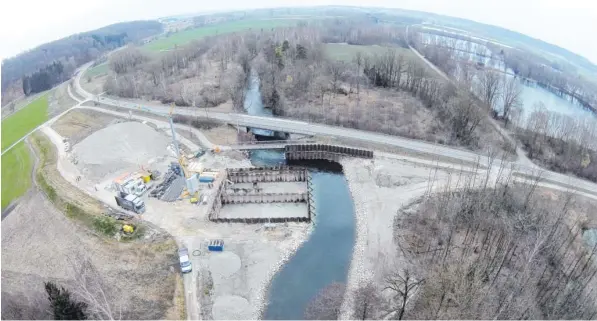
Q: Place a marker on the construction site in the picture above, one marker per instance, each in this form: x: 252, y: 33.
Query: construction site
x: 148, y: 169
x: 245, y: 232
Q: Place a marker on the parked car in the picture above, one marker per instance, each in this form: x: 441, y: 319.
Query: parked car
x: 185, y: 262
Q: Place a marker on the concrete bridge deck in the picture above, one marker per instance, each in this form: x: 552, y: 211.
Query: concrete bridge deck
x: 272, y: 144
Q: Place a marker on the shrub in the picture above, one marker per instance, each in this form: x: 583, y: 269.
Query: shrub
x: 105, y: 225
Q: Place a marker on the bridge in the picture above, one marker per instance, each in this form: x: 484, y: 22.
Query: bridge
x: 306, y: 128
x: 270, y: 144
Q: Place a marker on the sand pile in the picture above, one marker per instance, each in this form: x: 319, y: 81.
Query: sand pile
x: 118, y: 147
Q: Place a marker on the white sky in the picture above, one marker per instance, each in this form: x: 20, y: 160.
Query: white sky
x: 24, y: 24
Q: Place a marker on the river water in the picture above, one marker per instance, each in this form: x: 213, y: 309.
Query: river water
x: 531, y: 94
x: 590, y: 236
x: 325, y: 257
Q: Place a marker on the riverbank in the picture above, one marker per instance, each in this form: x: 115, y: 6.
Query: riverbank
x: 324, y: 258
x: 285, y: 255
x: 380, y: 189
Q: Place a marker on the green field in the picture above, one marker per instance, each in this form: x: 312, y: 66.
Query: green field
x: 100, y: 69
x: 23, y: 121
x: 182, y: 37
x: 346, y: 52
x: 16, y: 167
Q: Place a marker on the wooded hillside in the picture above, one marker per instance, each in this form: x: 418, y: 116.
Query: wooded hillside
x: 42, y: 67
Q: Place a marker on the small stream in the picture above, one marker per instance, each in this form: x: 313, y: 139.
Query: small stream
x: 325, y: 257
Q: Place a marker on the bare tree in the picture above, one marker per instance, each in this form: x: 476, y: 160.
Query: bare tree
x: 358, y: 61
x: 336, y: 71
x: 402, y: 284
x: 326, y: 304
x: 489, y: 87
x: 464, y: 115
x: 90, y: 287
x: 511, y: 99
x: 366, y: 302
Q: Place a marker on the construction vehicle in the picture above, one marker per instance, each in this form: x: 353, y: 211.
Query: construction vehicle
x: 179, y: 155
x: 185, y: 262
x: 130, y: 202
x: 132, y: 183
x: 128, y: 229
x: 189, y: 192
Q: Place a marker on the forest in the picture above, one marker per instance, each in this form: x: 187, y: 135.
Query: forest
x: 45, y: 66
x: 389, y: 91
x: 498, y: 250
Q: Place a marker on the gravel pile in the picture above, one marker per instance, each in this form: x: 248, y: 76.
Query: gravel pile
x: 119, y: 147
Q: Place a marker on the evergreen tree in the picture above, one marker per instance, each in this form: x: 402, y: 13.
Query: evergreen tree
x: 301, y: 52
x: 63, y: 307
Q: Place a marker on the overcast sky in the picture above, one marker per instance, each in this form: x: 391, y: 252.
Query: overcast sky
x: 24, y: 24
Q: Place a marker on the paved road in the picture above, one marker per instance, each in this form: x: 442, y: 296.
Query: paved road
x: 523, y: 166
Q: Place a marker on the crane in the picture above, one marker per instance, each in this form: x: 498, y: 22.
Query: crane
x: 179, y: 156
x: 194, y: 196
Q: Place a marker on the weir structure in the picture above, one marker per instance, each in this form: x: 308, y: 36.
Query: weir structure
x: 323, y: 151
x: 279, y: 174
x: 225, y: 192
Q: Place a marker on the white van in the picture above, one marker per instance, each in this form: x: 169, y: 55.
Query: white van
x: 185, y: 262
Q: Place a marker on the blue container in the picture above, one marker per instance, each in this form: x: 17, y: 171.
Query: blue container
x: 206, y: 179
x: 216, y: 245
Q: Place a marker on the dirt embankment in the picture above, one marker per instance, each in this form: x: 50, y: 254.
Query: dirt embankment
x: 45, y: 234
x: 39, y: 243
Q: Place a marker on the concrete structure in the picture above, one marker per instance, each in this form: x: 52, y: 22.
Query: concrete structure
x: 322, y: 151
x: 264, y: 198
x: 281, y: 174
x: 267, y: 174
x: 270, y: 144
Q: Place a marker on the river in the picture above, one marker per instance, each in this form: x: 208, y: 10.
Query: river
x: 590, y: 236
x: 531, y: 94
x: 325, y: 257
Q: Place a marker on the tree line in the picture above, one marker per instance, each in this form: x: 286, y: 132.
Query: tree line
x: 43, y: 67
x: 298, y: 79
x: 559, y: 142
x: 446, y: 50
x: 44, y: 79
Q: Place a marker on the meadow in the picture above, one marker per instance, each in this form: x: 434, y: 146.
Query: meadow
x: 23, y: 121
x: 186, y: 36
x: 16, y: 168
